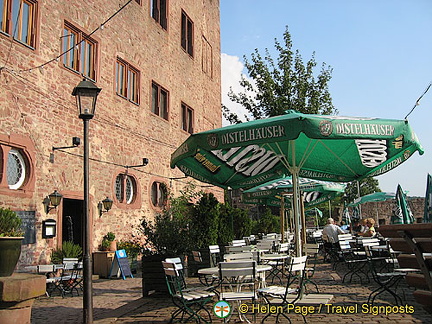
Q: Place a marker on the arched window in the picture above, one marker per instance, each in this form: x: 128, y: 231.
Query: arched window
x: 125, y: 188
x: 15, y: 169
x: 17, y: 156
x: 159, y: 194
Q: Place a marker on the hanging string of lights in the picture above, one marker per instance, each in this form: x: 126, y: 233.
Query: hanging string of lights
x: 417, y: 103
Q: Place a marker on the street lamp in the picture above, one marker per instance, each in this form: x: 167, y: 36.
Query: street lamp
x: 86, y: 95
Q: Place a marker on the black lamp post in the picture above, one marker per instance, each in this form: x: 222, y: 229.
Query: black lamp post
x: 86, y: 94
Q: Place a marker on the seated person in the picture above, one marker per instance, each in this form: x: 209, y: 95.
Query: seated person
x: 344, y: 227
x: 331, y: 231
x: 370, y: 232
x: 356, y: 227
x: 363, y: 228
x: 330, y: 237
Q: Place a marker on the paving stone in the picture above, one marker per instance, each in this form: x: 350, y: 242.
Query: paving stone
x: 120, y: 301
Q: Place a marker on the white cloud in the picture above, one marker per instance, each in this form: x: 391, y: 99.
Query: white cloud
x: 232, y: 70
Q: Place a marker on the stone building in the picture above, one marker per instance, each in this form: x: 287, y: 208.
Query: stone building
x: 382, y: 211
x: 158, y: 65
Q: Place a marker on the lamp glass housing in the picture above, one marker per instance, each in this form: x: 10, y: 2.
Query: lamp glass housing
x: 55, y: 198
x: 107, y: 203
x: 86, y: 95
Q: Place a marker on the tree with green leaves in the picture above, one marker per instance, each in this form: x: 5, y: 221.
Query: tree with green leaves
x: 203, y: 228
x: 367, y: 186
x: 267, y: 223
x: 226, y: 224
x: 287, y: 83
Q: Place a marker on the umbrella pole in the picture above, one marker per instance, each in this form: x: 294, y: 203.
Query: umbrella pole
x: 359, y: 196
x: 303, y: 220
x: 296, y: 209
x: 282, y: 219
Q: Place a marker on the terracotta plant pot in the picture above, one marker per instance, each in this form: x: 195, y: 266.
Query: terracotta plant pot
x: 10, y: 251
x: 113, y: 246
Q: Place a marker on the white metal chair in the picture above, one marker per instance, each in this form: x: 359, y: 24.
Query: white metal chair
x: 233, y: 276
x: 311, y: 250
x: 215, y: 256
x: 284, y: 295
x: 238, y: 256
x: 71, y: 279
x: 52, y: 279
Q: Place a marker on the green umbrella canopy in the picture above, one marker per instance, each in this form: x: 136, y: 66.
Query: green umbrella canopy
x: 329, y: 148
x: 314, y: 191
x: 402, y: 213
x: 427, y: 218
x: 376, y: 196
x: 311, y: 199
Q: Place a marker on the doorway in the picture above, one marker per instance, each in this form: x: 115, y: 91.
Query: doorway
x: 72, y: 221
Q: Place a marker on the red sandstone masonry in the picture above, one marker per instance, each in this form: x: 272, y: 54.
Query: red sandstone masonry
x: 39, y: 106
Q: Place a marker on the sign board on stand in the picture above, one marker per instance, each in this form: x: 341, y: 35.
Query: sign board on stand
x: 120, y: 265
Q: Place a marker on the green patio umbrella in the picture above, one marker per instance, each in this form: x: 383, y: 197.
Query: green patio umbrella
x: 346, y: 217
x: 315, y: 212
x: 427, y: 217
x: 375, y: 196
x: 402, y: 213
x: 276, y: 192
x: 329, y: 148
x: 314, y: 191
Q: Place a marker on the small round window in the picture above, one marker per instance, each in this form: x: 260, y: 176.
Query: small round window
x: 159, y: 194
x: 125, y: 188
x: 16, y: 169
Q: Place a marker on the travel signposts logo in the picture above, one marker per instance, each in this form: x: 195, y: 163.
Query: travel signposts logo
x: 222, y: 309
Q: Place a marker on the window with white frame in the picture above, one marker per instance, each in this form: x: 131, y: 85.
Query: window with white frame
x: 125, y: 188
x: 15, y: 169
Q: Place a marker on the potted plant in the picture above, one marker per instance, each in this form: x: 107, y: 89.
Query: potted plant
x: 132, y: 251
x: 108, y: 242
x: 68, y: 250
x: 11, y: 237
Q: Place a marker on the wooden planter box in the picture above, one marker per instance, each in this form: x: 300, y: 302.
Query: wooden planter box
x: 153, y: 276
x: 194, y: 266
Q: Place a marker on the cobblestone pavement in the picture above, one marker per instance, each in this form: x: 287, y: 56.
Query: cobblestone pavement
x: 120, y: 301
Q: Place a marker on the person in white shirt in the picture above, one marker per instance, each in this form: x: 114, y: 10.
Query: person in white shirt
x: 331, y: 231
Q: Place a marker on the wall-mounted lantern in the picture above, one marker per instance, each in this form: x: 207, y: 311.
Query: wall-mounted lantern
x: 52, y: 201
x: 104, y: 206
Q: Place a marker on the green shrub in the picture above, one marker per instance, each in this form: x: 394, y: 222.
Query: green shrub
x: 132, y: 249
x: 68, y: 250
x: 10, y: 223
x: 267, y: 223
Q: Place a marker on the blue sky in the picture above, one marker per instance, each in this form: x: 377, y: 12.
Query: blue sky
x: 380, y: 52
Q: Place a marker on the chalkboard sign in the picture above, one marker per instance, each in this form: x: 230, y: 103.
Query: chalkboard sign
x: 28, y: 226
x: 120, y: 265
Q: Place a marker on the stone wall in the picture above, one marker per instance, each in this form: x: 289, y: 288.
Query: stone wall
x: 37, y: 111
x: 382, y: 210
